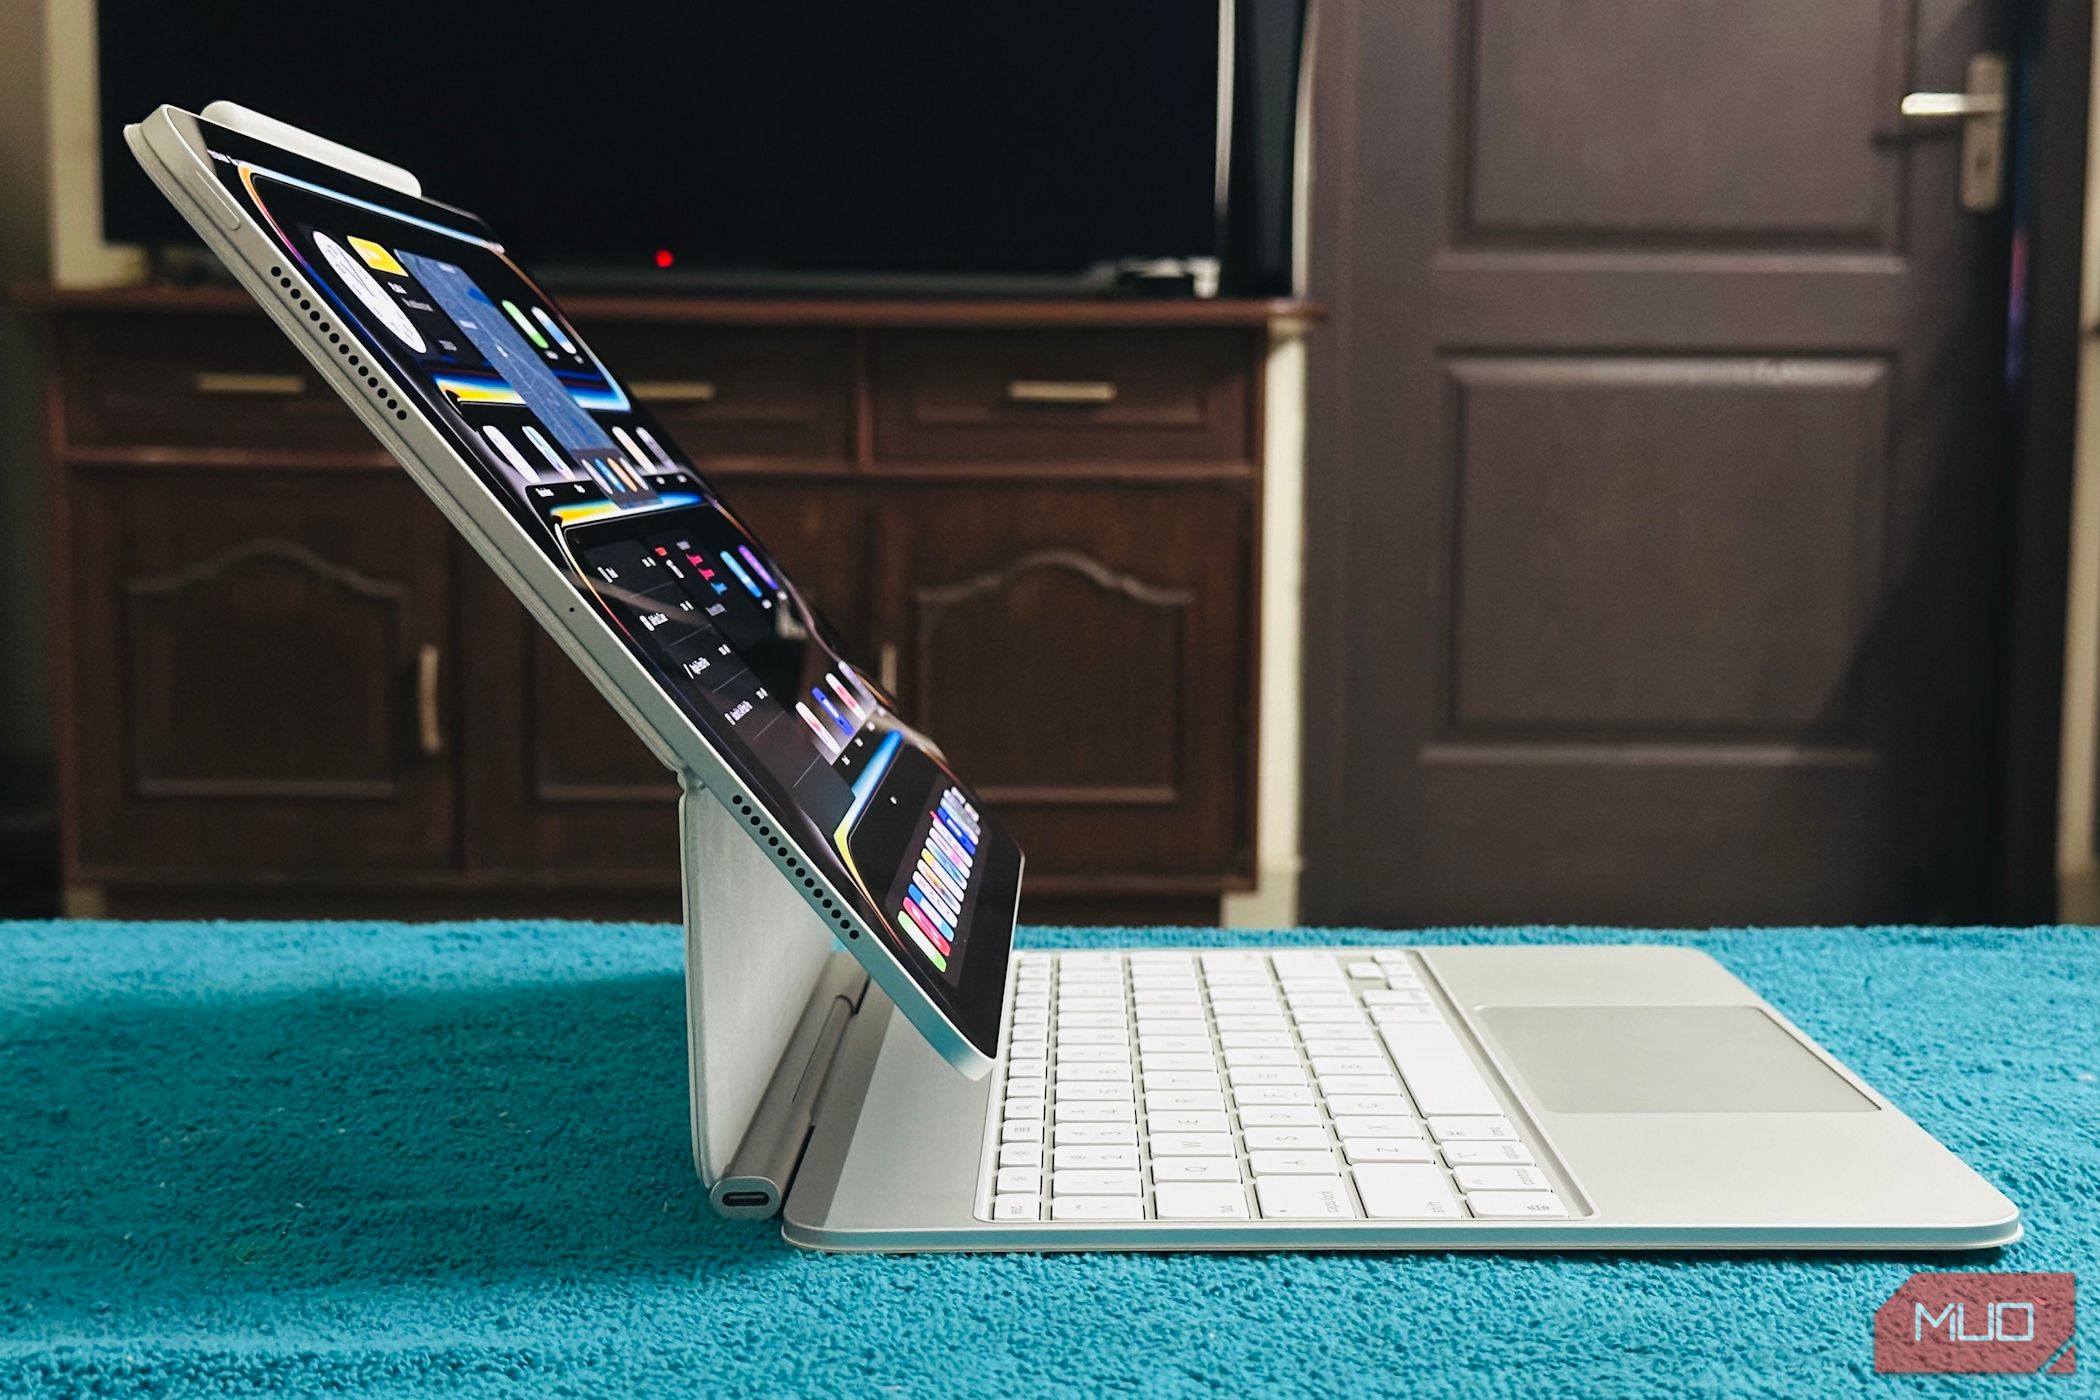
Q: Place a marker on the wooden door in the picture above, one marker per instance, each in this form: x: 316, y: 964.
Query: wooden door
x: 253, y: 654
x: 1654, y: 522
x: 1082, y: 653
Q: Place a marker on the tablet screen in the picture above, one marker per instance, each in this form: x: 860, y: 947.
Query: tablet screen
x: 713, y: 617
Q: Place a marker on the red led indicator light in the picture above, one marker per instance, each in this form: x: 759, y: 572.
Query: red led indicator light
x: 664, y: 258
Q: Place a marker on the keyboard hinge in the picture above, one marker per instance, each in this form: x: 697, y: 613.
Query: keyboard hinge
x: 763, y: 1168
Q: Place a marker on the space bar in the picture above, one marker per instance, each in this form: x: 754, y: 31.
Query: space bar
x: 1438, y: 1071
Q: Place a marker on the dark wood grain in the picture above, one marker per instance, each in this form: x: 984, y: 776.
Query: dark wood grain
x: 1654, y: 472
x: 1027, y: 550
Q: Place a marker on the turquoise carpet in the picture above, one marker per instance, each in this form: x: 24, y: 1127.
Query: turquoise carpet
x: 388, y: 1159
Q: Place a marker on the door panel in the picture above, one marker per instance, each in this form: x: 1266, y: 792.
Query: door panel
x: 246, y: 694
x: 1737, y: 123
x: 558, y: 779
x: 1653, y: 506
x: 1082, y: 655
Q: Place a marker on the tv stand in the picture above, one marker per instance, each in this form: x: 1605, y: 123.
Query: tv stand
x: 996, y: 502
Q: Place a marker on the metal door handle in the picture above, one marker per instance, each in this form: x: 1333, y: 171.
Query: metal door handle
x: 430, y: 732
x: 254, y: 385
x: 1061, y: 391
x: 1981, y: 109
x: 1930, y: 106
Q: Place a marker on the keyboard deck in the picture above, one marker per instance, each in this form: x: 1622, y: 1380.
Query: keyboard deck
x: 1221, y: 1086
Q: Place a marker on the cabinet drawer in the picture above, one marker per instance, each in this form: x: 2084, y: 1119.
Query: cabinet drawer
x: 727, y: 395
x: 1075, y: 395
x: 197, y: 382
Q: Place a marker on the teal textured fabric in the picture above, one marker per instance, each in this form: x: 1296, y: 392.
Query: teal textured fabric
x: 387, y: 1159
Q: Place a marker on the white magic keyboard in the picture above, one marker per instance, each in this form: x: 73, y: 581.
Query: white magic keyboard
x: 1217, y: 1086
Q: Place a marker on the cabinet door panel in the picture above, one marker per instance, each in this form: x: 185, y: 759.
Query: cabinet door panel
x: 560, y: 786
x: 247, y: 654
x: 1083, y: 656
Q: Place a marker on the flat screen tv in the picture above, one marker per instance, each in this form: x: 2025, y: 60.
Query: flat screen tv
x: 767, y: 143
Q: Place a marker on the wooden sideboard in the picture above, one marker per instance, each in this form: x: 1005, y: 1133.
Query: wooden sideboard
x: 285, y: 686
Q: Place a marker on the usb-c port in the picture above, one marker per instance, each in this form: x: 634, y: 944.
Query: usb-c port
x: 744, y: 1198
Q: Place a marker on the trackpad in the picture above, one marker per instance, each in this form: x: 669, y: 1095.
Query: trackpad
x: 1665, y: 1059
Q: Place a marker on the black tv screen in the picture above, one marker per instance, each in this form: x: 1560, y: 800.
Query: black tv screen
x: 915, y: 138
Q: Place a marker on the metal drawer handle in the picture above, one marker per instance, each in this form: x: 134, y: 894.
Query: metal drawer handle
x: 282, y: 386
x: 674, y: 390
x: 430, y: 732
x: 1061, y: 391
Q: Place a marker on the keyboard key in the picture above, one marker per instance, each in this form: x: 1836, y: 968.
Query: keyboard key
x: 1021, y: 1154
x: 1069, y: 1040
x: 1274, y: 1093
x: 1278, y: 1116
x: 1286, y: 1139
x: 1200, y: 1201
x: 1304, y: 1198
x: 1089, y: 1020
x: 1367, y: 1106
x: 1095, y: 1113
x: 1438, y: 1071
x: 1175, y: 1025
x: 1019, y: 1181
x: 1149, y: 1043
x: 1016, y: 1208
x: 1177, y: 1062
x: 1085, y: 1071
x: 1097, y: 1208
x: 1021, y: 1130
x: 1291, y: 1163
x: 1117, y: 1054
x: 1093, y: 1133
x: 1368, y: 1149
x: 1349, y: 1127
x: 1088, y: 1092
x: 1164, y: 1145
x: 1471, y: 1179
x: 1069, y: 1002
x: 1024, y: 1108
x: 1255, y: 1040
x: 1317, y: 1015
x: 1031, y: 1086
x: 1324, y: 1065
x: 1337, y: 996
x: 1382, y: 996
x: 1096, y: 1183
x: 1187, y: 1121
x: 1487, y: 1154
x: 1211, y: 1102
x: 1407, y: 1016
x: 1166, y: 1080
x: 1472, y: 1130
x: 1360, y: 1041
x: 1391, y: 957
x: 1246, y: 1021
x: 1195, y: 1169
x: 1093, y: 1159
x: 1346, y: 1084
x: 1508, y: 1205
x: 1395, y: 1191
x: 1272, y: 1059
x: 1241, y: 1076
x: 1366, y: 969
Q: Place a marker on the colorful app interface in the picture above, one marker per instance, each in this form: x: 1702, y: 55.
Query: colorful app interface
x: 675, y: 573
